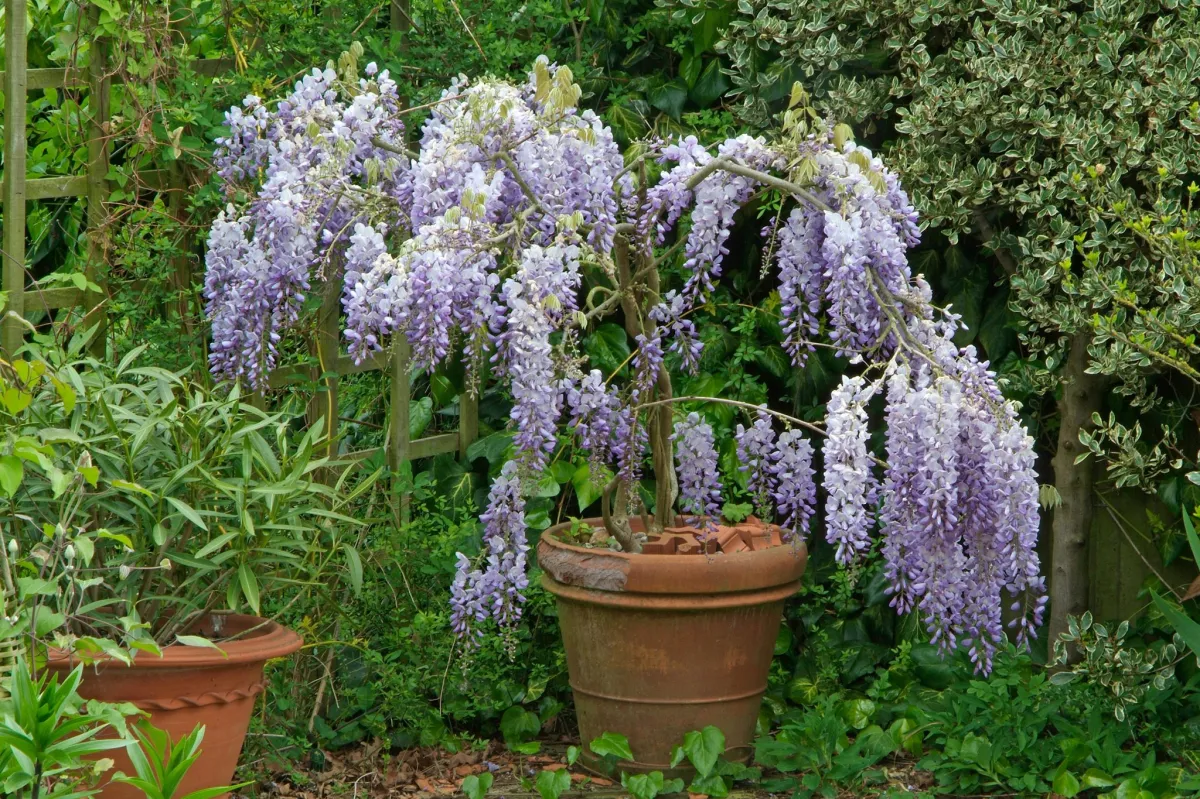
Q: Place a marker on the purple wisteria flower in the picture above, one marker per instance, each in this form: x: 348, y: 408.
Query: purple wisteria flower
x: 849, y: 480
x: 495, y: 588
x: 755, y: 446
x: 793, y: 477
x: 681, y: 331
x: 696, y: 466
x: 600, y: 421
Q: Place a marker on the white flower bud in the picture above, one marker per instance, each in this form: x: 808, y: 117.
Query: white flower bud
x: 13, y: 547
x: 165, y: 564
x: 69, y: 552
x: 124, y: 571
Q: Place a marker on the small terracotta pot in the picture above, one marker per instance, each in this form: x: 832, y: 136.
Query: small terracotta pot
x: 189, y: 686
x: 659, y: 645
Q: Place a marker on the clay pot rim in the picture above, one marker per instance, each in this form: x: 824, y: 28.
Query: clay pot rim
x: 624, y: 572
x: 273, y: 641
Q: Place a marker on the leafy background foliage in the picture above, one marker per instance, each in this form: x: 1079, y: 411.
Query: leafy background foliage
x: 1021, y: 128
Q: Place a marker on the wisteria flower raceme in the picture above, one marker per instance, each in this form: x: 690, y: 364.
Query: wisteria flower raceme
x: 849, y: 478
x: 755, y: 447
x: 696, y: 465
x: 795, y: 486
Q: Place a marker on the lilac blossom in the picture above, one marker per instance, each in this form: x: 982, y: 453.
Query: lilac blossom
x: 696, y: 466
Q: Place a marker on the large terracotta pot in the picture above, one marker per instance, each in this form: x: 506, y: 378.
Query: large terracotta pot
x: 189, y: 686
x: 659, y: 645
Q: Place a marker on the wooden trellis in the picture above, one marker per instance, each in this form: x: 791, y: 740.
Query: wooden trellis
x: 24, y: 298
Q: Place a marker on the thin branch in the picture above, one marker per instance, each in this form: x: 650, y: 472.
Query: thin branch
x: 394, y: 148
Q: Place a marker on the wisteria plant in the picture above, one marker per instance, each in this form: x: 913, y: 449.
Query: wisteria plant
x: 517, y: 223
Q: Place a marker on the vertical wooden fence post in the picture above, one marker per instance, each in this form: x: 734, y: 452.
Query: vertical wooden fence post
x: 181, y: 273
x: 11, y: 330
x: 97, y: 181
x: 398, y: 430
x: 468, y: 420
x: 324, y: 404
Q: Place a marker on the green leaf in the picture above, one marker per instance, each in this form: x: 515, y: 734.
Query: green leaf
x: 249, y: 584
x: 493, y: 448
x: 198, y: 641
x: 607, y: 347
x: 643, y: 786
x: 857, y: 712
x: 1095, y: 778
x: 572, y: 755
x: 587, y: 490
x: 476, y: 786
x: 354, y: 566
x: 1187, y: 629
x: 931, y: 668
x: 188, y: 512
x: 518, y: 725
x: 713, y: 785
x: 670, y: 97
x: 710, y: 86
x: 1065, y: 784
x: 126, y: 485
x: 552, y: 784
x: 612, y: 744
x: 703, y: 748
x: 12, y: 472
x: 47, y: 621
x: 420, y: 414
x: 1193, y: 539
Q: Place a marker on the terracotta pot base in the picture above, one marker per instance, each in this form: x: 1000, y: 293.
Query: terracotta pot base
x: 659, y: 645
x: 189, y: 686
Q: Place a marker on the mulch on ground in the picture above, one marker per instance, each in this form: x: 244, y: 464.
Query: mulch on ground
x: 370, y: 771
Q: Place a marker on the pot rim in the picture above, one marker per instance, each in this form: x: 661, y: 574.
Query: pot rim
x: 275, y: 641
x: 568, y: 567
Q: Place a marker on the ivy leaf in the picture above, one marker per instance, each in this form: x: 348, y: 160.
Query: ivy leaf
x: 612, y: 744
x: 703, y: 748
x: 552, y: 784
x: 476, y: 786
x: 670, y: 97
x: 710, y: 86
x: 518, y: 725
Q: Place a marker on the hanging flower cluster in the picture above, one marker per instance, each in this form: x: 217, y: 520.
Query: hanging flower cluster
x: 315, y: 166
x: 477, y: 245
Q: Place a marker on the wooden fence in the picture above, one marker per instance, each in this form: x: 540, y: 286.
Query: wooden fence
x: 26, y: 297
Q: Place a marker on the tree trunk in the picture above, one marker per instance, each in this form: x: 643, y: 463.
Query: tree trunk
x: 1082, y: 395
